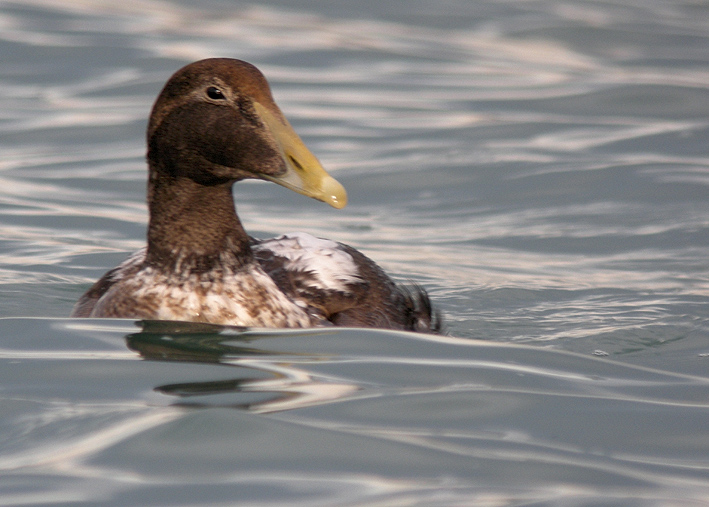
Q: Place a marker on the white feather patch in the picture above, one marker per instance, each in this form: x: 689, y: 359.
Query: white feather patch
x: 332, y: 268
x: 246, y: 298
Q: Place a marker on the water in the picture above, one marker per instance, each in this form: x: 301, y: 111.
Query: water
x: 541, y: 168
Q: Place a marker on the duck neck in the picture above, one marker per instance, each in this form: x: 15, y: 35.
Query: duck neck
x: 194, y: 227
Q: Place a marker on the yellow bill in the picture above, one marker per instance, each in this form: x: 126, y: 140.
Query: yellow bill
x: 304, y: 173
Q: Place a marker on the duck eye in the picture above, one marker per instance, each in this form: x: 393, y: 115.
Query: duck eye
x: 215, y: 93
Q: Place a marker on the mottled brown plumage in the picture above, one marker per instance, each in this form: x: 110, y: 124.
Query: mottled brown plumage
x: 213, y: 124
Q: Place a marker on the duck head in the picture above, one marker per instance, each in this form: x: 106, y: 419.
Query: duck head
x: 215, y: 123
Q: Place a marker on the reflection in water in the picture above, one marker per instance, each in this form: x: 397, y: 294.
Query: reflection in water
x: 264, y: 371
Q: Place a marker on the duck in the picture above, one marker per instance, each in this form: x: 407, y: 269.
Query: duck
x: 213, y: 124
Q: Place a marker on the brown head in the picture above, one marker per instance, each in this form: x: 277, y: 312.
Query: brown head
x: 215, y: 122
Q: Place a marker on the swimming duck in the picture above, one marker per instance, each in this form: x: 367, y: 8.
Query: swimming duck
x: 216, y: 123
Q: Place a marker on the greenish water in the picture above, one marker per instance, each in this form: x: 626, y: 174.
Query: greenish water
x: 541, y: 168
x: 171, y: 414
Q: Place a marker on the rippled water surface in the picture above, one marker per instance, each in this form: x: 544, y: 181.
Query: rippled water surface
x: 542, y: 168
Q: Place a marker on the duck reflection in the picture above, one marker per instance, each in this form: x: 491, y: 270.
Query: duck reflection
x: 266, y: 381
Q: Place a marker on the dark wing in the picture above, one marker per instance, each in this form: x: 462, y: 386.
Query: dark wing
x: 343, y: 286
x: 86, y: 303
